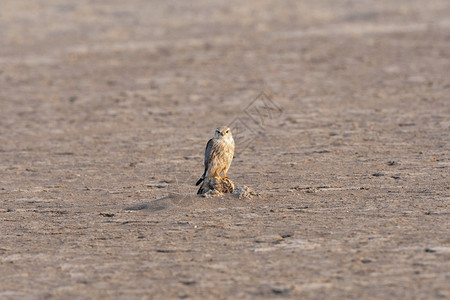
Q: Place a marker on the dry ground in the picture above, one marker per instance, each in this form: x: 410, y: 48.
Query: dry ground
x: 105, y: 110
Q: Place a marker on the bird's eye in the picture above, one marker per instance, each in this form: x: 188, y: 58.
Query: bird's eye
x: 227, y: 131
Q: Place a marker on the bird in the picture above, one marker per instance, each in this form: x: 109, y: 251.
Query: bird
x: 219, y: 153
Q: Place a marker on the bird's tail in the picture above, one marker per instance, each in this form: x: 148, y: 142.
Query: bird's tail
x: 200, y: 190
x: 200, y: 180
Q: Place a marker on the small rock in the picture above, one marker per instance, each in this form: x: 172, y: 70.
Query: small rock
x: 188, y: 282
x: 281, y: 290
x: 275, y: 238
x: 107, y: 215
x: 377, y: 174
x: 244, y: 192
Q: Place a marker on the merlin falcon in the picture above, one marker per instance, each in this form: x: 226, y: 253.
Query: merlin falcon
x: 218, y: 155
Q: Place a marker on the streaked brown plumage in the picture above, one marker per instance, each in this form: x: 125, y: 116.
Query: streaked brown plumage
x: 218, y: 155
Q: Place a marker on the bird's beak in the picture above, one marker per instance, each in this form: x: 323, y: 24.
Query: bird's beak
x: 222, y: 133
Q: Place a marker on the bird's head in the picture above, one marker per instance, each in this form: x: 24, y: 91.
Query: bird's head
x: 223, y: 132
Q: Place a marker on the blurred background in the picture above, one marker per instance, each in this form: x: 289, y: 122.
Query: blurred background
x: 108, y: 76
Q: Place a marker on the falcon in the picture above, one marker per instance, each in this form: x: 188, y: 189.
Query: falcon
x: 218, y: 155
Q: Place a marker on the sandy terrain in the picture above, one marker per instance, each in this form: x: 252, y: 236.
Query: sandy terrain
x: 105, y: 110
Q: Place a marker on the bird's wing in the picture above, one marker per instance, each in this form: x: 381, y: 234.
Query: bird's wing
x: 208, y: 150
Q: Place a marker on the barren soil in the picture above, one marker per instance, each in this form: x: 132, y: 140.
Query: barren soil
x: 105, y: 110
